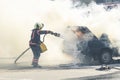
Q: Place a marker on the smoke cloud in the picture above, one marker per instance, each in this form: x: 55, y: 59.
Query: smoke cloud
x: 18, y: 18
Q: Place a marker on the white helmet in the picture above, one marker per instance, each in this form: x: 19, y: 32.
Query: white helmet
x: 38, y: 26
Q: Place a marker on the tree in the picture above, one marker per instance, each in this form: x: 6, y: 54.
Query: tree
x: 99, y: 1
x: 82, y: 2
x: 86, y: 1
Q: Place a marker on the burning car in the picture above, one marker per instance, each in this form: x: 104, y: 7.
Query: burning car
x: 99, y: 49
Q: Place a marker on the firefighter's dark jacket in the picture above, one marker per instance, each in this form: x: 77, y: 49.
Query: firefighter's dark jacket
x: 35, y: 36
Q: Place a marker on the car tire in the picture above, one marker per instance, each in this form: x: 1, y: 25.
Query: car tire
x: 106, y: 57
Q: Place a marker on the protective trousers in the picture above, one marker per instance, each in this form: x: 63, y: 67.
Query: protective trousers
x: 36, y: 54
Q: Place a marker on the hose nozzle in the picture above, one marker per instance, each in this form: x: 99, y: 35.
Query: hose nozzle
x: 56, y: 34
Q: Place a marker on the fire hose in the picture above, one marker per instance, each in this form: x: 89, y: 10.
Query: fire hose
x: 21, y: 55
x: 55, y: 34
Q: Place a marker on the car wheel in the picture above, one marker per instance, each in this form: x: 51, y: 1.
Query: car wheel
x: 106, y: 57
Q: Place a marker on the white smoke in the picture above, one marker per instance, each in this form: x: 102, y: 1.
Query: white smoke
x: 18, y: 18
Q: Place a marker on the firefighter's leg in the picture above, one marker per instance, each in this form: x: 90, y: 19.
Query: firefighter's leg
x: 36, y: 52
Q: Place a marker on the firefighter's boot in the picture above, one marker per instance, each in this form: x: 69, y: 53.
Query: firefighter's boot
x: 35, y: 62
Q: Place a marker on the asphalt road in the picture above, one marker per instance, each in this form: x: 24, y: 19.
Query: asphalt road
x: 24, y: 71
x: 112, y: 76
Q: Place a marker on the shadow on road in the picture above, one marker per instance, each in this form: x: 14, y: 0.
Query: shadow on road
x: 27, y: 66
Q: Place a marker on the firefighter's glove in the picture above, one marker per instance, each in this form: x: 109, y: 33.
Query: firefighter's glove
x: 52, y: 33
x: 57, y: 34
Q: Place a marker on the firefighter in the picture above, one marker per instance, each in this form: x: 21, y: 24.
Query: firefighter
x: 35, y: 42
